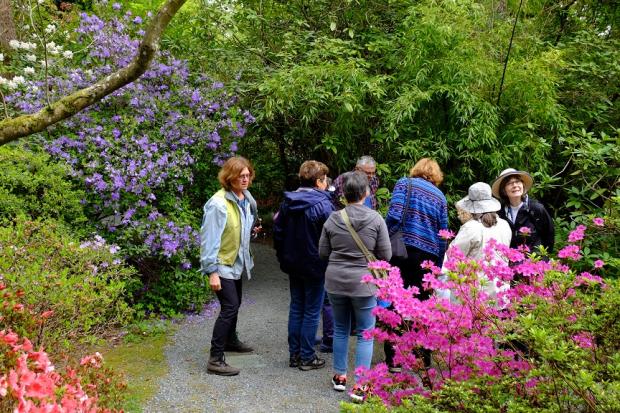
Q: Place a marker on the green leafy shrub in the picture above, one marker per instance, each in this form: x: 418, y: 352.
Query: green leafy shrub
x: 601, y: 248
x: 80, y: 287
x: 172, y: 290
x: 33, y: 185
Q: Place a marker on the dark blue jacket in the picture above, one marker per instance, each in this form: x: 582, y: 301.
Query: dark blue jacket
x: 297, y: 229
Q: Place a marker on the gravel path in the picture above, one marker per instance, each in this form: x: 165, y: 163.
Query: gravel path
x: 266, y: 383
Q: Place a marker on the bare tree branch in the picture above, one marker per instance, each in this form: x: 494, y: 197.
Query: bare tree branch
x: 24, y: 125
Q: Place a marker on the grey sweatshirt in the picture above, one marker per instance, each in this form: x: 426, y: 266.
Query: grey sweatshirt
x: 347, y: 263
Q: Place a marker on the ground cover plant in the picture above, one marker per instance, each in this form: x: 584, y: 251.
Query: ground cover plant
x: 549, y: 343
x: 82, y: 287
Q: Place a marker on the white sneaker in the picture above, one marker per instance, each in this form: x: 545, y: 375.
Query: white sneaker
x: 339, y: 382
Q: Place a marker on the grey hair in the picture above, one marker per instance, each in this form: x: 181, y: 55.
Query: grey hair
x: 355, y: 186
x: 366, y: 160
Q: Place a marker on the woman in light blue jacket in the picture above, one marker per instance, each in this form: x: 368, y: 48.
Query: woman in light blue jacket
x: 225, y: 233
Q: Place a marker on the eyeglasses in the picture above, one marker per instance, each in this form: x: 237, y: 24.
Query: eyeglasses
x: 514, y: 182
x: 243, y: 177
x: 368, y: 173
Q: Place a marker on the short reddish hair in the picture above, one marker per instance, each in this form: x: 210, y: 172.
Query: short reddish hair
x: 310, y: 171
x: 428, y: 169
x: 231, y: 170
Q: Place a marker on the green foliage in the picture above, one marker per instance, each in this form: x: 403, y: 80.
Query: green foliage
x: 171, y: 290
x: 602, y: 242
x: 594, y: 166
x: 84, y: 285
x: 33, y: 185
x: 400, y: 80
x: 145, y: 329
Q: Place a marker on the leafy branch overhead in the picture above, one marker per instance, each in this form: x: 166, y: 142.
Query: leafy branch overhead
x: 20, y: 126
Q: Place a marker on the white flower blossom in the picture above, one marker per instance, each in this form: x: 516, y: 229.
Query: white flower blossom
x: 50, y: 29
x: 11, y: 84
x: 3, y: 81
x: 31, y: 58
x: 34, y: 89
x: 19, y: 80
x: 1, y: 57
x: 41, y: 1
x: 68, y: 54
x: 29, y: 70
x: 50, y: 45
x: 26, y: 27
x: 14, y: 44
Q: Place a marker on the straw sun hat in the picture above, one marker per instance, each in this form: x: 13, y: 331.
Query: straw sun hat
x: 479, y: 200
x: 526, y: 178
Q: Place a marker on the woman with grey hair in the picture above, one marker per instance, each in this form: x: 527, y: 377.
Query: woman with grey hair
x: 346, y: 266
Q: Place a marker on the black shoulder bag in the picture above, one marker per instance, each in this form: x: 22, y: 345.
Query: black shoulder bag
x: 399, y: 250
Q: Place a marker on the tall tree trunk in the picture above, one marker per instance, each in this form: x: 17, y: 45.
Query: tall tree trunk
x: 24, y: 125
x: 7, y: 26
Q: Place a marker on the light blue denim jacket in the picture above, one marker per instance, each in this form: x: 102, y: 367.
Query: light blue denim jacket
x: 213, y: 223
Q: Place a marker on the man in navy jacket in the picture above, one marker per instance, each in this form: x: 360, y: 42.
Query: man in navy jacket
x: 297, y: 229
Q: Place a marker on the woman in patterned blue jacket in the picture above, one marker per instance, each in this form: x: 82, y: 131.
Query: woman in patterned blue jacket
x: 427, y: 213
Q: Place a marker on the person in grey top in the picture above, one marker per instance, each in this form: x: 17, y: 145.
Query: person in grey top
x: 345, y: 268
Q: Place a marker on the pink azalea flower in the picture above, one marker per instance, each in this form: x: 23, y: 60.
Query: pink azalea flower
x: 445, y: 234
x: 571, y: 252
x: 584, y: 340
x: 525, y: 231
x: 599, y: 263
x: 599, y: 222
x: 577, y: 234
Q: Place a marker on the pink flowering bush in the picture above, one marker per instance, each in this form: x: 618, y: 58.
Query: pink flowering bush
x: 549, y: 342
x: 29, y: 381
x: 596, y: 238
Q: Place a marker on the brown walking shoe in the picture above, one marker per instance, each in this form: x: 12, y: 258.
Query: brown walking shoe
x: 312, y: 364
x: 238, y: 347
x: 217, y: 365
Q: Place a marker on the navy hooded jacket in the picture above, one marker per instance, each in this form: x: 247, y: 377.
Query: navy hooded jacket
x: 297, y: 229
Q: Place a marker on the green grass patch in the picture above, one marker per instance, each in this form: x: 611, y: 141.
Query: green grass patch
x: 140, y: 357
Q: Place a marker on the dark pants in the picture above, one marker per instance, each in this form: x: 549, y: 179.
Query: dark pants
x: 225, y: 327
x: 328, y: 325
x: 412, y: 275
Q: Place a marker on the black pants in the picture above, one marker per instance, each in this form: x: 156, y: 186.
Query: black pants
x: 225, y: 327
x: 412, y: 275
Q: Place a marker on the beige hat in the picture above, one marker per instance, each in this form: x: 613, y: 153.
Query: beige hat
x: 526, y: 178
x: 479, y: 200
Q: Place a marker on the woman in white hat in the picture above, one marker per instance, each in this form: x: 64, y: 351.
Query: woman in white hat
x: 484, y: 225
x: 511, y: 187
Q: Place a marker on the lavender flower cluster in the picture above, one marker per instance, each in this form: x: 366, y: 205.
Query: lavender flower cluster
x: 142, y: 143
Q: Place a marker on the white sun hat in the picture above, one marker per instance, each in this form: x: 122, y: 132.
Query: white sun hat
x: 479, y: 200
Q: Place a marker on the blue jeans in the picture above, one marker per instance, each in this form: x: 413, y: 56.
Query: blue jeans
x: 344, y: 307
x: 304, y: 314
